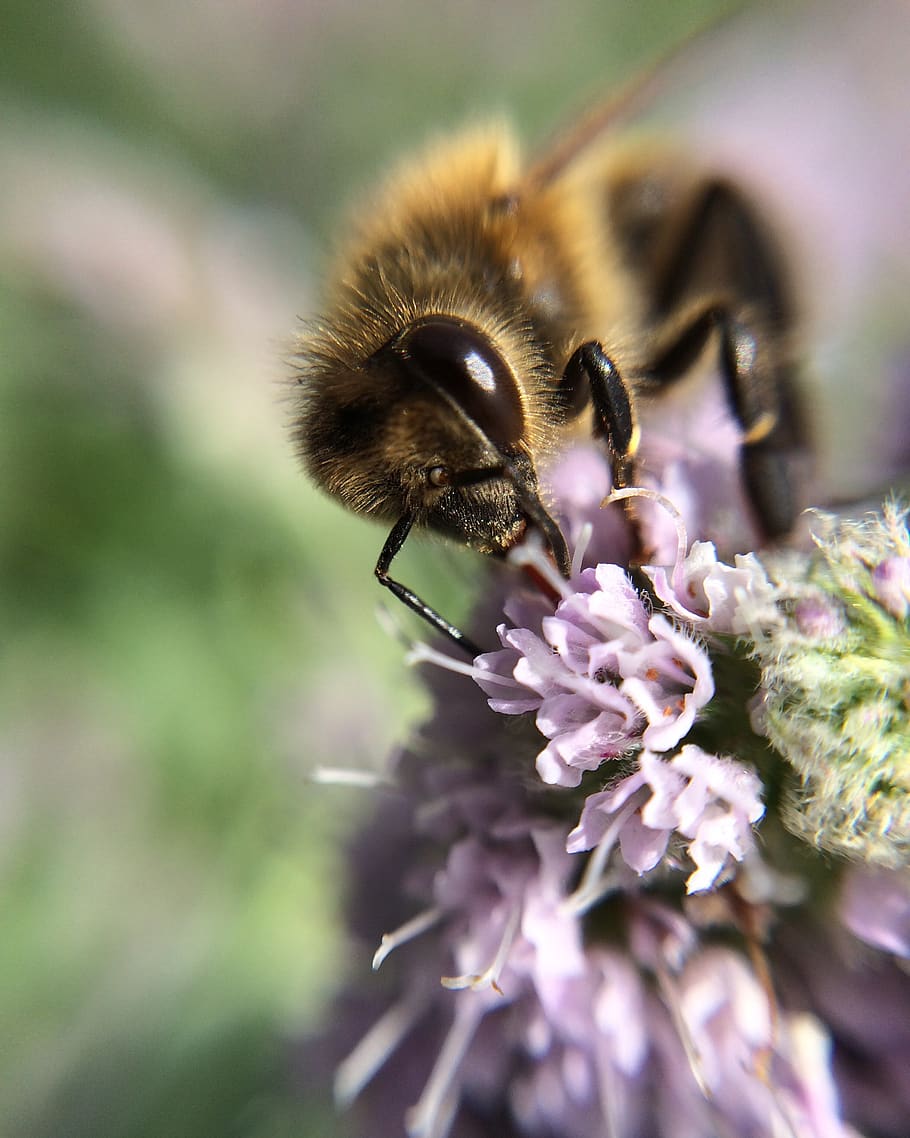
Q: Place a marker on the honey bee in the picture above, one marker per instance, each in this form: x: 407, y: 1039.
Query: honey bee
x: 482, y: 307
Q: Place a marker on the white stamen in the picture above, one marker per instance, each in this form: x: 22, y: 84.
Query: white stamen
x: 390, y: 623
x: 349, y: 776
x: 445, y: 1115
x: 668, y: 991
x: 808, y: 1055
x: 421, y: 653
x: 595, y: 884
x: 354, y: 1072
x: 432, y: 1115
x: 682, y: 538
x: 608, y: 1088
x: 489, y: 978
x: 408, y: 931
x: 784, y: 1125
x: 581, y: 547
x: 586, y: 896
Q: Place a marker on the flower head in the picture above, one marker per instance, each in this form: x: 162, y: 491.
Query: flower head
x: 601, y: 894
x: 604, y: 675
x: 710, y: 801
x: 735, y: 599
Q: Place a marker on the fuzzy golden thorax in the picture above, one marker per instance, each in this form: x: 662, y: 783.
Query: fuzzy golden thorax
x: 452, y: 234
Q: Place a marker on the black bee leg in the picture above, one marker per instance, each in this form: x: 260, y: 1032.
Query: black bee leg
x: 393, y: 544
x: 591, y: 371
x: 756, y: 405
x: 719, y: 273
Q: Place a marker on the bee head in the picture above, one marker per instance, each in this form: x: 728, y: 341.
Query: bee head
x: 433, y: 425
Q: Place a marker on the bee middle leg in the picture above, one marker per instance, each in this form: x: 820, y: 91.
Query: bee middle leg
x: 764, y: 445
x: 716, y: 274
x: 764, y: 409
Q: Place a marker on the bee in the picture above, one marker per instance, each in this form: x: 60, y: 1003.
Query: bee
x: 482, y: 308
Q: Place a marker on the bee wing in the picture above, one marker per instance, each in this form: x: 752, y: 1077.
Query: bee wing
x: 635, y: 96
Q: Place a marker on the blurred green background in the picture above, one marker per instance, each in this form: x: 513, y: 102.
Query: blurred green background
x: 188, y: 629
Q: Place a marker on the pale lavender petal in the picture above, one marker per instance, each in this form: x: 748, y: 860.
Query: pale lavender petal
x: 507, y: 695
x: 681, y: 588
x: 693, y: 655
x: 738, y: 596
x: 537, y: 667
x: 891, y: 581
x: 581, y: 478
x: 562, y: 713
x: 722, y: 1003
x: 641, y: 845
x: 662, y: 584
x: 494, y: 671
x: 512, y: 706
x: 620, y: 1011
x: 554, y: 770
x: 728, y: 779
x: 717, y: 840
x: 617, y: 607
x: 603, y: 696
x: 660, y: 811
x: 724, y: 598
x: 670, y: 714
x: 571, y: 642
x: 691, y: 803
x: 499, y: 663
x: 668, y: 722
x: 554, y: 936
x: 597, y: 811
x: 875, y: 906
x: 606, y: 660
x: 588, y: 745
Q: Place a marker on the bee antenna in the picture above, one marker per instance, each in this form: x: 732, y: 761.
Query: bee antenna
x: 627, y: 102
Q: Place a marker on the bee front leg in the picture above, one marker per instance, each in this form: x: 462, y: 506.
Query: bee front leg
x: 591, y: 371
x: 393, y: 544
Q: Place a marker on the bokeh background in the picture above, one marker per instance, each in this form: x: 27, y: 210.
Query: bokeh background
x: 187, y: 629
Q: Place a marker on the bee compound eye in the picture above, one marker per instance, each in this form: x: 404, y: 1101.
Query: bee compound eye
x: 439, y: 476
x: 461, y: 363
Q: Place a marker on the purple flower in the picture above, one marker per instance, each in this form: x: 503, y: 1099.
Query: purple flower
x: 658, y: 1034
x: 762, y: 1076
x: 621, y: 958
x: 603, y: 674
x: 875, y: 906
x: 710, y: 801
x: 722, y: 598
x: 891, y: 582
x: 819, y: 617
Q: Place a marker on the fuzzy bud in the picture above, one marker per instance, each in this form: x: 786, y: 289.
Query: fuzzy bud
x: 836, y: 681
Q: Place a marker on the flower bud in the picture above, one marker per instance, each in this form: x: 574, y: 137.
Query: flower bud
x: 836, y: 681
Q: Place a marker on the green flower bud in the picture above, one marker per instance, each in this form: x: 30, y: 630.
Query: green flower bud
x: 836, y: 680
